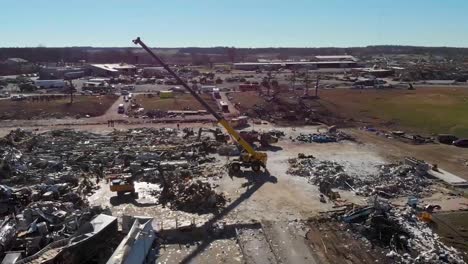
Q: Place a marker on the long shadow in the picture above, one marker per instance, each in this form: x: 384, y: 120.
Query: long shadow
x: 257, y: 180
x: 116, y: 200
x: 270, y: 148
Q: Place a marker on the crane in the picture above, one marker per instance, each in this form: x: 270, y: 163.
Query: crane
x: 250, y: 158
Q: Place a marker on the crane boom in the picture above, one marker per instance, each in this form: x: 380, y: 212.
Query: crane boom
x: 254, y: 155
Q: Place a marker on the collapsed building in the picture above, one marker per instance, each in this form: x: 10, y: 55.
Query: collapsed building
x: 48, y: 176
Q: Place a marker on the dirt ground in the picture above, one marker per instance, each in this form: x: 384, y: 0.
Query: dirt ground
x: 179, y: 102
x: 453, y: 228
x: 447, y: 157
x: 331, y: 243
x: 278, y: 201
x: 56, y: 108
x: 281, y: 203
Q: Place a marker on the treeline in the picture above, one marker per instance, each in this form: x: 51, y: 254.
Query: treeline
x: 357, y: 51
x: 208, y: 55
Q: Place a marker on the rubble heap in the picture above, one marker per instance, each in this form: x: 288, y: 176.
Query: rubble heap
x: 395, y: 180
x: 400, y: 231
x: 390, y: 181
x: 191, y: 196
x: 324, y: 137
x: 47, y: 176
x: 317, y: 171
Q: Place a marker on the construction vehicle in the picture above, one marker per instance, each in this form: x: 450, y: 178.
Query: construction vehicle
x: 265, y: 139
x: 217, y: 133
x: 122, y: 184
x: 250, y: 158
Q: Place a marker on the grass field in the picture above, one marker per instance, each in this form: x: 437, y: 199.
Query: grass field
x: 425, y: 110
x: 179, y: 102
x: 82, y: 105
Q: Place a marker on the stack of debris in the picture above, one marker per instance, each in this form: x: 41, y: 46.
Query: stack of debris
x: 316, y: 171
x: 400, y: 231
x: 395, y: 180
x: 324, y: 137
x: 47, y: 176
x: 191, y: 196
x: 391, y: 180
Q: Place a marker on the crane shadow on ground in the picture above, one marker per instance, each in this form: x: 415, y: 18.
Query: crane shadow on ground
x: 255, y: 182
x: 129, y: 199
x: 270, y: 148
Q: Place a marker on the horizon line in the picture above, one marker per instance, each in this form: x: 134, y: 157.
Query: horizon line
x: 265, y: 47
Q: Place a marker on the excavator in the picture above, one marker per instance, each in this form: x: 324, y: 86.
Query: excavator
x: 264, y: 138
x: 249, y: 158
x: 217, y: 133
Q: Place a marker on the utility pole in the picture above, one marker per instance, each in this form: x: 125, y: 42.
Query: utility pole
x: 316, y: 86
x: 293, y: 80
x: 306, y: 82
x: 72, y: 90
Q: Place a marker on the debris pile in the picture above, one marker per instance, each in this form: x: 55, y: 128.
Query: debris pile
x: 391, y: 180
x: 324, y: 137
x: 402, y: 136
x: 316, y: 171
x: 400, y: 231
x: 191, y: 196
x: 395, y: 180
x: 47, y: 177
x: 39, y: 215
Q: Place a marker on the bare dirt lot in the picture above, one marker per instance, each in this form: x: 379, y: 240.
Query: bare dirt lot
x: 56, y: 108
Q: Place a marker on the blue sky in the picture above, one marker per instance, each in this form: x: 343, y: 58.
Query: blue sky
x: 240, y: 23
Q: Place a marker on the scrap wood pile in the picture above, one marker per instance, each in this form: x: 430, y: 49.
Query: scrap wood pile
x: 391, y: 180
x: 402, y: 232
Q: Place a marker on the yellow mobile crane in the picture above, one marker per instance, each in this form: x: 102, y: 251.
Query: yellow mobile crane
x: 251, y: 158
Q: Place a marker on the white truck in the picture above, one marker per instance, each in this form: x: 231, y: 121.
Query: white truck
x: 207, y: 88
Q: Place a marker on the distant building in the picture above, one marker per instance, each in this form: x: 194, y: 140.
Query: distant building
x: 47, y: 84
x: 336, y: 58
x: 15, y: 61
x: 112, y: 69
x: 250, y: 66
x: 16, y: 66
x: 51, y: 73
x: 379, y: 73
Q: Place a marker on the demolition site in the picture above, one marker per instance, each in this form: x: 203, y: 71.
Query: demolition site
x: 233, y: 163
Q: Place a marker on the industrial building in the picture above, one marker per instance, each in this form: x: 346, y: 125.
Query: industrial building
x: 12, y: 66
x: 249, y: 66
x: 112, y: 69
x: 379, y: 73
x: 52, y: 73
x: 336, y: 58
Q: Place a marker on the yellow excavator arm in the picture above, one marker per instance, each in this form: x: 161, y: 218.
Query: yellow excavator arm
x: 254, y: 156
